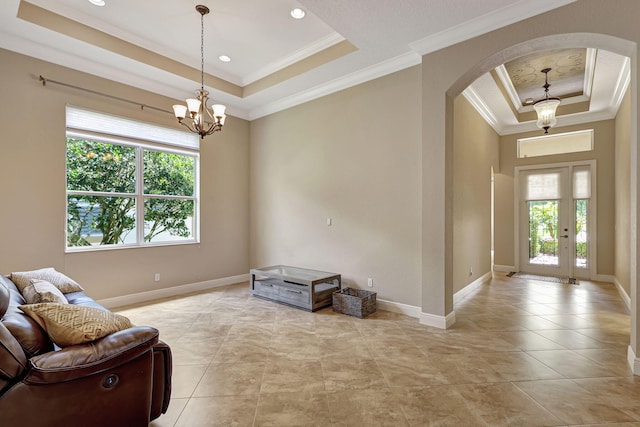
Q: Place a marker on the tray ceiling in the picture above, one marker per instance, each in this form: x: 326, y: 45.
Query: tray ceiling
x: 276, y: 61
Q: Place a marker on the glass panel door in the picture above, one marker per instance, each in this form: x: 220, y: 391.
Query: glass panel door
x: 543, y: 233
x: 582, y: 235
x: 544, y: 223
x: 554, y: 224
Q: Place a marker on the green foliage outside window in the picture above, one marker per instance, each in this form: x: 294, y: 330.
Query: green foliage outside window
x: 543, y: 228
x: 543, y: 232
x: 95, y: 218
x: 581, y: 229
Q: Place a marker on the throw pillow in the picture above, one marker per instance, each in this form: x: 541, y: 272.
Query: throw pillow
x: 23, y: 278
x: 68, y: 324
x: 42, y: 291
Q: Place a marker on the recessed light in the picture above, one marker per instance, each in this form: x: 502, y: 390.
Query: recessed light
x: 297, y: 13
x: 97, y: 2
x: 224, y: 58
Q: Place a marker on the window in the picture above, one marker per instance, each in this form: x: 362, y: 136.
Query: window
x: 581, y: 196
x: 561, y: 143
x: 123, y: 191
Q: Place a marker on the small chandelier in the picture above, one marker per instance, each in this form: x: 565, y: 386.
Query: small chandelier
x: 546, y: 107
x: 199, y: 113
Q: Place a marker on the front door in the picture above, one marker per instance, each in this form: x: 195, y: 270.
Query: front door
x: 554, y: 221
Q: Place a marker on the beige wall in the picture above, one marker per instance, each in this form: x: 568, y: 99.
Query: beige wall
x: 475, y: 151
x: 622, y: 193
x: 32, y: 187
x: 603, y: 154
x: 353, y: 156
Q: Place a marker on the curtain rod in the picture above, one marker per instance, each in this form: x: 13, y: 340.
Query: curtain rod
x: 44, y: 81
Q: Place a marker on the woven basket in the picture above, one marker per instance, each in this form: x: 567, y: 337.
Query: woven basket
x: 354, y: 302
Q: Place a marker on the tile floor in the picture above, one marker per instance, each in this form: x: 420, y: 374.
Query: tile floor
x: 522, y: 353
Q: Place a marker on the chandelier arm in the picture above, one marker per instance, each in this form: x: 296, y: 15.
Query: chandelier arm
x: 214, y: 128
x: 188, y: 127
x: 210, y: 115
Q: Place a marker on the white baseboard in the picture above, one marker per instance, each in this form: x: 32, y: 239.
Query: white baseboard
x: 171, y: 292
x: 504, y: 268
x: 623, y: 294
x: 442, y: 322
x: 397, y: 307
x: 634, y: 362
x: 472, y: 286
x: 604, y: 278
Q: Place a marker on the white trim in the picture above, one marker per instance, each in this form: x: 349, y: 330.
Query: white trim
x: 553, y: 139
x: 362, y: 76
x: 442, y: 322
x: 589, y: 69
x: 504, y: 268
x: 623, y: 294
x: 622, y: 84
x: 472, y: 286
x: 315, y: 47
x: 634, y: 362
x: 482, y: 108
x: 608, y: 278
x: 566, y: 120
x: 397, y: 307
x: 140, y: 297
x: 593, y: 232
x: 503, y: 75
x: 515, y: 12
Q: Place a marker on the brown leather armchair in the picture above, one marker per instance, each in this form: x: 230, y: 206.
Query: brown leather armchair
x: 122, y: 379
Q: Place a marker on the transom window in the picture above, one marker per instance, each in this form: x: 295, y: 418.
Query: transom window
x: 561, y: 143
x: 125, y: 192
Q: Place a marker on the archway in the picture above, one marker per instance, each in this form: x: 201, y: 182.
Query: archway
x: 446, y: 72
x: 557, y: 41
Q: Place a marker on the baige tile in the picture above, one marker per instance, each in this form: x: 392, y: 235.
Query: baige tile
x: 522, y: 353
x: 292, y: 409
x: 573, y: 404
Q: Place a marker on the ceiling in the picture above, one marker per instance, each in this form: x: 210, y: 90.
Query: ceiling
x: 278, y: 62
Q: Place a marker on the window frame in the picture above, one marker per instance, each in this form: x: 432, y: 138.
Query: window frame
x: 549, y: 139
x: 139, y: 195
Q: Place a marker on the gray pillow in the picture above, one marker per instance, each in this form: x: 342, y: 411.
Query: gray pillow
x: 42, y: 291
x: 23, y: 278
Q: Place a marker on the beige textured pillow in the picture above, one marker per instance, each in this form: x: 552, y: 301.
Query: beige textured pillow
x: 68, y: 324
x: 42, y: 291
x: 23, y: 278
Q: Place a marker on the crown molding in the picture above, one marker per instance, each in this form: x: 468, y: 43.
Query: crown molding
x: 622, y: 84
x: 589, y: 70
x: 370, y: 73
x: 515, y: 12
x: 312, y: 49
x: 503, y: 75
x: 530, y: 126
x: 568, y: 120
x: 474, y: 99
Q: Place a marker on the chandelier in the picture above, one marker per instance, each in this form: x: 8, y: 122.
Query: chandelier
x: 546, y: 107
x: 203, y: 120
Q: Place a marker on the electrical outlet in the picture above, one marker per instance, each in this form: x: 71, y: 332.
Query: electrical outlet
x: 156, y: 277
x: 370, y: 282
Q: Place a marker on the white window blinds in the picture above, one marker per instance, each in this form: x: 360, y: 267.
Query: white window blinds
x: 581, y: 183
x: 87, y: 120
x: 543, y: 186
